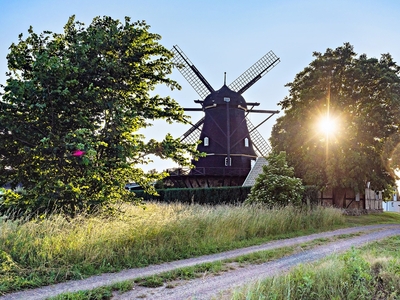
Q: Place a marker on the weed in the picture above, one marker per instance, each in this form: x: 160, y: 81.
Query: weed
x: 103, y: 293
x: 152, y: 281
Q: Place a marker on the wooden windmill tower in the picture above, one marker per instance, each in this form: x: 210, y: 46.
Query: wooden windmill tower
x: 231, y: 142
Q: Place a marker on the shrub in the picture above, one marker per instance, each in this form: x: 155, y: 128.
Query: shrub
x: 276, y: 185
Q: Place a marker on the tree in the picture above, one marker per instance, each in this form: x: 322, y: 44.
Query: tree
x: 276, y: 185
x: 363, y: 96
x: 71, y: 110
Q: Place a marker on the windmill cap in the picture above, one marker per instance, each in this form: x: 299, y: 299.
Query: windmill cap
x: 223, y: 96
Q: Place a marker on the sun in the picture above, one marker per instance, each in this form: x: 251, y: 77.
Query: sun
x: 327, y: 125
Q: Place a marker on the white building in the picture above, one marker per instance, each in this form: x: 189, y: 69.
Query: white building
x: 393, y: 205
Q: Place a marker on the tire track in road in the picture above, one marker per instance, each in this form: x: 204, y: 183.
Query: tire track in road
x: 215, y: 286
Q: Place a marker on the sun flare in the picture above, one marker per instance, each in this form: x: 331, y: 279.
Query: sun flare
x: 327, y: 125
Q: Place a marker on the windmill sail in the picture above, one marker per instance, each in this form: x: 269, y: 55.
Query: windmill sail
x: 255, y: 72
x: 191, y: 74
x: 193, y: 134
x: 229, y: 140
x: 261, y: 146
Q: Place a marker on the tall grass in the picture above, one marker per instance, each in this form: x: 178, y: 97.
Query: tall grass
x: 45, y: 251
x: 369, y: 273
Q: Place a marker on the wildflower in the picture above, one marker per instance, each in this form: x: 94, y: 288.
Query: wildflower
x: 78, y: 153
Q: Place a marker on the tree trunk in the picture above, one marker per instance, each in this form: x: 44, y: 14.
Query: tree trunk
x: 339, y: 197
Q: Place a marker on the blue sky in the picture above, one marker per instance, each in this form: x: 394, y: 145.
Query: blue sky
x: 226, y: 36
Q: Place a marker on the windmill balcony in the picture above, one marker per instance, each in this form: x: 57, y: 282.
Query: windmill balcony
x: 209, y: 171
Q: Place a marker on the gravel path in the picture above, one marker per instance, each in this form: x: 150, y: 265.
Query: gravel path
x: 209, y: 286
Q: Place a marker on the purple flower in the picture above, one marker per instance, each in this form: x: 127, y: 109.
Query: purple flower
x: 78, y: 153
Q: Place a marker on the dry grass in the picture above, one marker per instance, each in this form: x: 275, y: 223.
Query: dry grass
x: 45, y: 251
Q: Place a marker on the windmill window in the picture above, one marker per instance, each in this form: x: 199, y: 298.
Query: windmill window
x: 206, y: 141
x: 246, y: 142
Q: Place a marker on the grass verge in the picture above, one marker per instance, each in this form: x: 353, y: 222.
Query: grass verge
x: 371, y: 272
x: 372, y: 219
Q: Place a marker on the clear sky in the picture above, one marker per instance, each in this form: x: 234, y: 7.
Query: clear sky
x: 226, y: 36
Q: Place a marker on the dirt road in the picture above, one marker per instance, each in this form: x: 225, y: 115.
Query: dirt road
x: 216, y: 286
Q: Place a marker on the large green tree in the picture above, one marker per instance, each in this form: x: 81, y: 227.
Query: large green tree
x: 71, y: 110
x: 362, y: 96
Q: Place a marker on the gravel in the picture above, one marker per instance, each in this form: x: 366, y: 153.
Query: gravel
x: 216, y: 286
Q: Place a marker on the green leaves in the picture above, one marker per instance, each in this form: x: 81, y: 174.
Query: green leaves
x: 363, y: 94
x: 84, y: 89
x: 276, y: 185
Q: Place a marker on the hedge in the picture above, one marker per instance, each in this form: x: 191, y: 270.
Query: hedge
x: 213, y: 196
x: 216, y: 195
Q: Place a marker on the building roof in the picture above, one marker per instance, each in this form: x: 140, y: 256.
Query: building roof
x: 255, y: 171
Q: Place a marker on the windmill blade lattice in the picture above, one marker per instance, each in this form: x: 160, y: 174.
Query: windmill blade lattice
x: 261, y: 146
x: 255, y: 72
x: 191, y: 74
x: 192, y: 136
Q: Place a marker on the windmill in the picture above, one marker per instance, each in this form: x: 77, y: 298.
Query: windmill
x: 231, y: 142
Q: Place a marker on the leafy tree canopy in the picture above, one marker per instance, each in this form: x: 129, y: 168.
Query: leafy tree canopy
x: 71, y: 110
x: 361, y: 96
x: 276, y: 185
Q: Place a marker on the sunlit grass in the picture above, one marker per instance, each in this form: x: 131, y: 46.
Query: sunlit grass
x: 371, y: 272
x: 46, y: 251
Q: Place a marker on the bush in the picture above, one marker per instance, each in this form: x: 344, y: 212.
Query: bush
x: 276, y: 186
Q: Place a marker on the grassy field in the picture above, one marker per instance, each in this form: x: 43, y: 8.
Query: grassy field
x: 371, y: 219
x: 42, y: 252
x: 371, y: 272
